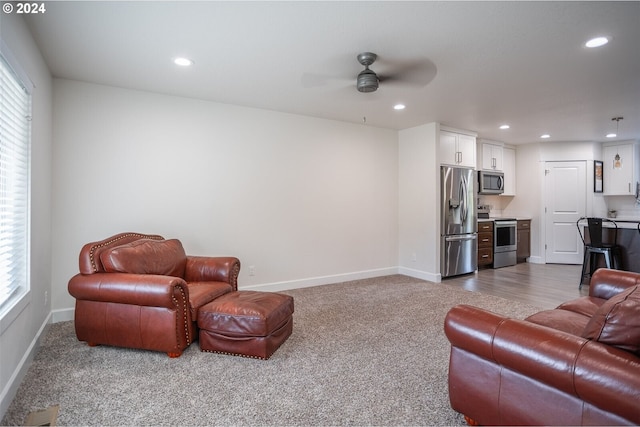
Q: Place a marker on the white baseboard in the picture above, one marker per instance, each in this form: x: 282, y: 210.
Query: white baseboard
x: 66, y: 314
x: 62, y: 315
x: 536, y: 260
x: 10, y: 390
x: 419, y: 274
x: 322, y: 280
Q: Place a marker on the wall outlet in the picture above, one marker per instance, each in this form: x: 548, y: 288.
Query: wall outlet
x: 414, y: 257
x: 252, y: 270
x: 46, y: 298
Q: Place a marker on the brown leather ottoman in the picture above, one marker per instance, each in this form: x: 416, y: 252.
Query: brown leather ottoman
x: 246, y: 323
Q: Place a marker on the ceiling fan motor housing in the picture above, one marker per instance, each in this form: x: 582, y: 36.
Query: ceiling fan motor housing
x: 367, y: 81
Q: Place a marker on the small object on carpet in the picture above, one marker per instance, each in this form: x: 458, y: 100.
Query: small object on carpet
x: 43, y: 417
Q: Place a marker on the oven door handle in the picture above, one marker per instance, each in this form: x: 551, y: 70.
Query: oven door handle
x: 502, y: 224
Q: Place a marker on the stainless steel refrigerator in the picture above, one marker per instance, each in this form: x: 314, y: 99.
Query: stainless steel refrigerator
x: 458, y: 233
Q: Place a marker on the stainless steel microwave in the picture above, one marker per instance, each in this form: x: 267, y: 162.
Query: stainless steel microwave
x: 490, y: 182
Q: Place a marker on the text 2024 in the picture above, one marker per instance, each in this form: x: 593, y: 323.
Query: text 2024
x: 30, y: 8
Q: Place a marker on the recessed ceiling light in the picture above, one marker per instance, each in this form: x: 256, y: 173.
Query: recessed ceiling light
x: 597, y: 42
x: 545, y: 136
x: 612, y: 135
x: 183, y: 62
x: 399, y: 107
x: 503, y: 127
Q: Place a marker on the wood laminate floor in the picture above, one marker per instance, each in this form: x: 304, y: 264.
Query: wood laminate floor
x: 540, y: 285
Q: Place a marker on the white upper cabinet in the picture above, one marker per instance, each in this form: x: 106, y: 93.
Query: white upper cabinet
x: 457, y: 149
x: 621, y: 162
x: 492, y: 156
x: 509, y: 169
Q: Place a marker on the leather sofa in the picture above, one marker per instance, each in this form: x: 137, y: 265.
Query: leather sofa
x: 142, y: 291
x: 578, y: 364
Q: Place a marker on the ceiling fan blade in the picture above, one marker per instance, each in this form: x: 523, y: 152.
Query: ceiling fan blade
x: 311, y: 80
x: 413, y: 72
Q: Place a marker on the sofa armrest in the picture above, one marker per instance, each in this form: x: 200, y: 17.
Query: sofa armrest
x: 135, y: 289
x: 213, y: 269
x: 591, y: 371
x: 605, y: 283
x: 472, y: 329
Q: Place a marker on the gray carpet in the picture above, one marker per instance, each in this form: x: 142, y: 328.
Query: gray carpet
x: 367, y: 352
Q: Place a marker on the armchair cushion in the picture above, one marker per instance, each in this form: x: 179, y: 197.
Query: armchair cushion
x: 617, y: 321
x: 146, y: 256
x: 201, y: 293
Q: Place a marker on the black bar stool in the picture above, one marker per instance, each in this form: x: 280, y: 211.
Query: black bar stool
x: 595, y: 247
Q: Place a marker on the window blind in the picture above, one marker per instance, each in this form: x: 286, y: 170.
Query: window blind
x: 15, y: 136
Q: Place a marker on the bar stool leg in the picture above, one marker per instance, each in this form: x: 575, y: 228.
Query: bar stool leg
x: 584, y: 267
x: 593, y: 262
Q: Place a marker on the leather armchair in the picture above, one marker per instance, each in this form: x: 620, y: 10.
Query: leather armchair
x: 578, y: 364
x: 142, y: 291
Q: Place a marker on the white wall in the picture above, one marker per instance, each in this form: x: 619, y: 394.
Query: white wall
x: 304, y: 200
x: 528, y: 199
x: 20, y: 330
x: 419, y: 175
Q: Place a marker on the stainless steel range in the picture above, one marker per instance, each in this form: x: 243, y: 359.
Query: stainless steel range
x: 505, y: 242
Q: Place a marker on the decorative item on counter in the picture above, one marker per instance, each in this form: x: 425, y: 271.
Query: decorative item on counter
x: 483, y: 211
x: 612, y: 213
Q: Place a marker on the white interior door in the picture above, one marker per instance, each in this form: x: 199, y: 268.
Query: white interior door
x: 565, y: 203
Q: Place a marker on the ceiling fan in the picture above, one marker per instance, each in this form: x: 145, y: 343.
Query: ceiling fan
x: 412, y: 72
x: 416, y: 72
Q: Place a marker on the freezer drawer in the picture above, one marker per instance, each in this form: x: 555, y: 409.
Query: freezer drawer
x: 459, y: 254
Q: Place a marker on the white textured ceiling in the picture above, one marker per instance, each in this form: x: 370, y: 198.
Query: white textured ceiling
x: 487, y: 63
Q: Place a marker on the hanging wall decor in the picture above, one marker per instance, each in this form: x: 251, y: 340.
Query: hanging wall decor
x: 598, y: 176
x: 617, y: 162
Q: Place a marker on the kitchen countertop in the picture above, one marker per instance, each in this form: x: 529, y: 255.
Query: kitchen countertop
x: 621, y: 222
x: 625, y: 219
x: 490, y: 219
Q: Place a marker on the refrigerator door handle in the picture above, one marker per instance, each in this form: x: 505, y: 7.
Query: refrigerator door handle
x: 463, y: 189
x: 461, y: 196
x: 460, y: 237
